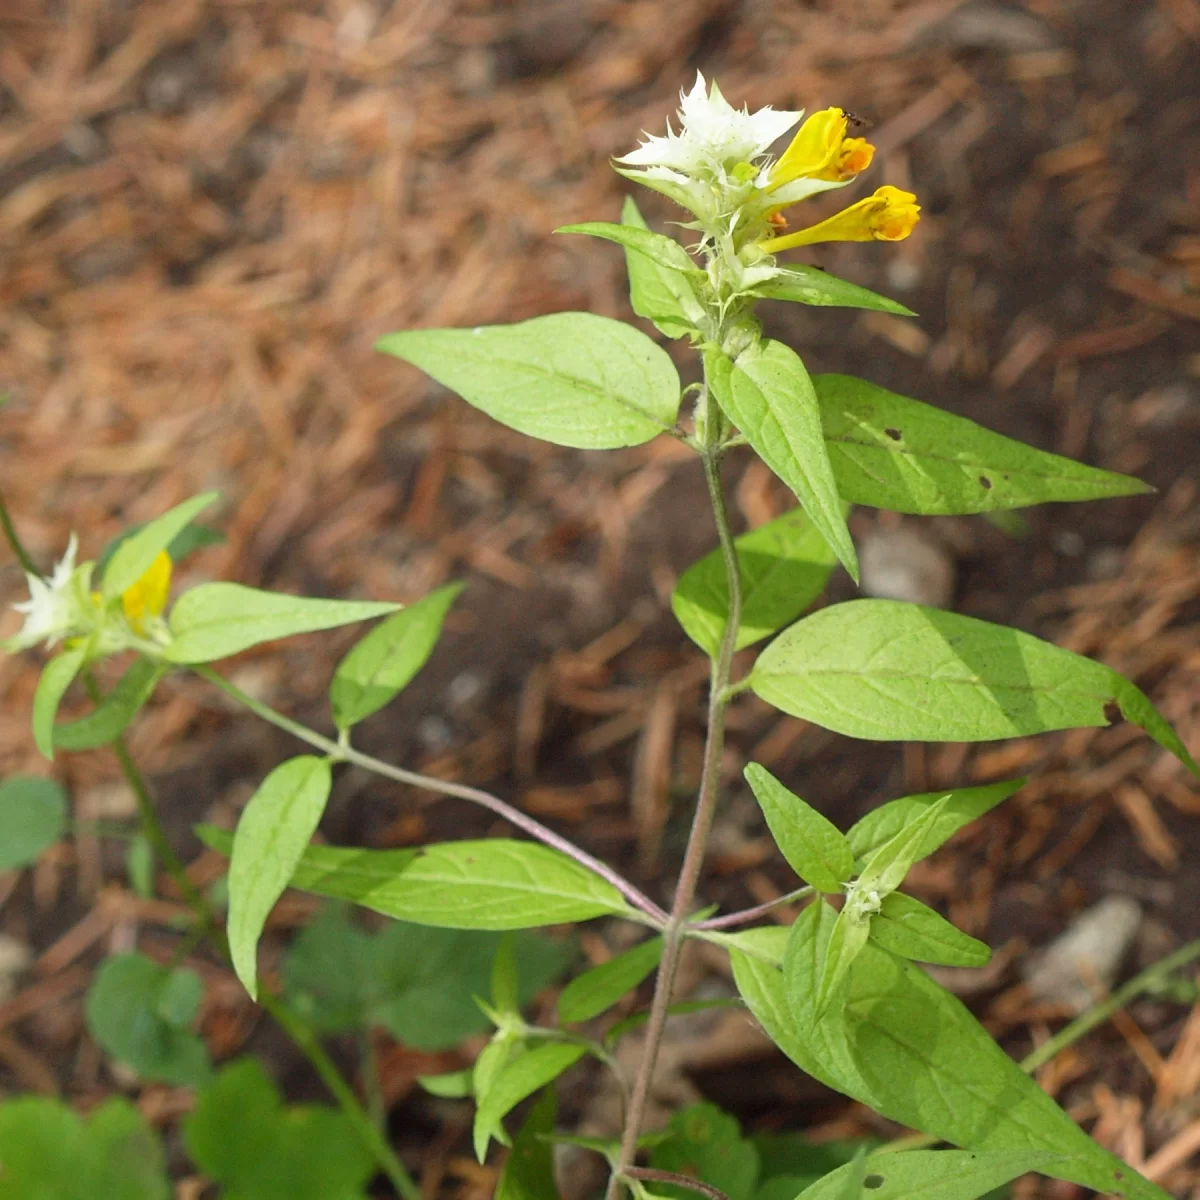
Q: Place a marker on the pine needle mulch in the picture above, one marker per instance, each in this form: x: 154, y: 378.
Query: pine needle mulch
x: 209, y: 209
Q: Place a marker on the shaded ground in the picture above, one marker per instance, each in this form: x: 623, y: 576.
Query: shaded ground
x: 208, y: 211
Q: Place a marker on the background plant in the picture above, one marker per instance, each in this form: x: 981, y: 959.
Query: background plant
x: 867, y: 668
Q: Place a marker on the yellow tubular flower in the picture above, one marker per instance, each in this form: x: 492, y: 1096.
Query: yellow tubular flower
x: 887, y: 216
x: 148, y: 597
x: 821, y: 150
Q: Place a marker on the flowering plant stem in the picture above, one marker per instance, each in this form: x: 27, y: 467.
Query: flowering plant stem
x: 291, y: 1023
x: 675, y: 931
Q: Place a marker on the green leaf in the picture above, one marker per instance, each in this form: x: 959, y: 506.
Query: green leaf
x: 133, y: 557
x: 846, y: 941
x: 492, y: 884
x: 589, y: 994
x: 49, y: 1153
x: 33, y: 816
x: 707, y: 1144
x: 416, y: 982
x: 574, y: 379
x: 381, y: 665
x: 528, y: 1172
x: 813, y: 846
x: 107, y: 722
x: 892, y: 452
x: 932, y: 1174
x: 453, y: 1085
x: 663, y: 295
x: 57, y: 675
x: 790, y: 1158
x: 272, y: 833
x: 885, y: 870
x: 216, y: 620
x: 188, y: 540
x: 784, y: 566
x: 517, y: 1079
x: 961, y: 807
x: 139, y: 867
x: 660, y: 250
x: 810, y: 285
x: 768, y: 395
x: 911, y: 929
x: 142, y: 1014
x: 911, y: 1051
x: 241, y: 1136
x: 891, y: 671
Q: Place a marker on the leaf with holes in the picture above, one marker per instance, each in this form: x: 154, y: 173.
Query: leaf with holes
x: 891, y: 671
x: 892, y: 452
x: 931, y: 1174
x: 574, y: 379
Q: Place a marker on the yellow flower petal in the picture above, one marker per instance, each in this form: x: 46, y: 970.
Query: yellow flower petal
x: 821, y: 150
x: 148, y: 596
x: 887, y: 216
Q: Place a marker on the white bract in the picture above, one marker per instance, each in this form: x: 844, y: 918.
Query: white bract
x: 54, y: 608
x: 713, y: 137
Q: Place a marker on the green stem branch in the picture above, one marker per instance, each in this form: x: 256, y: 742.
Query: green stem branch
x: 675, y: 931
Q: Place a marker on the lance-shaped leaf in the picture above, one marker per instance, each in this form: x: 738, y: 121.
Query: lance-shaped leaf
x: 520, y: 1077
x: 961, y: 807
x: 574, y: 379
x: 132, y: 558
x: 116, y: 710
x: 271, y: 835
x: 528, y: 1172
x: 784, y: 566
x: 892, y: 452
x: 891, y: 671
x: 911, y: 929
x: 814, y: 847
x: 57, y: 675
x: 659, y: 249
x: 216, y: 620
x: 911, y: 1051
x: 931, y: 1174
x: 886, y: 868
x: 664, y: 295
x: 810, y: 285
x: 883, y: 873
x: 383, y: 663
x: 768, y: 395
x: 492, y: 884
x: 589, y: 994
x: 33, y: 816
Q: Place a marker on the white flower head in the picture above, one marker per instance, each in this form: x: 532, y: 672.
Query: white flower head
x: 713, y: 137
x: 52, y: 608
